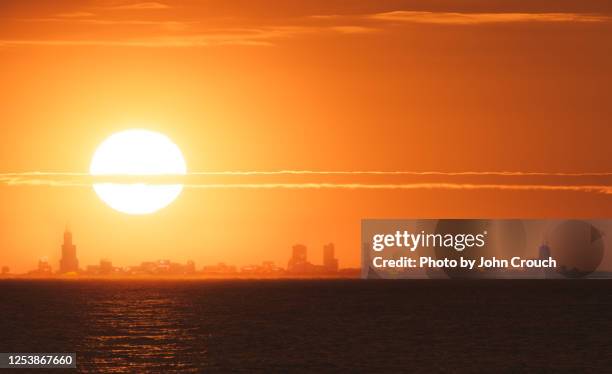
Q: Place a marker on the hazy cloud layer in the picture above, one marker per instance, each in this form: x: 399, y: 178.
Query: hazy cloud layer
x: 140, y: 6
x: 76, y: 14
x: 230, y: 36
x: 450, y: 18
x: 164, y: 25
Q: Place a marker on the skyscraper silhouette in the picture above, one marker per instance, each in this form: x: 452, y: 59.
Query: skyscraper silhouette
x: 298, y: 261
x: 69, y: 261
x: 330, y: 262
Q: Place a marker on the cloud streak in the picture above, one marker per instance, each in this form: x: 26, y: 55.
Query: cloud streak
x: 411, y: 186
x: 74, y: 15
x: 408, y: 173
x: 150, y: 5
x: 454, y: 18
x: 166, y: 42
x: 600, y: 189
x: 70, y: 179
x: 342, y: 172
x: 167, y: 25
x: 185, y: 32
x: 264, y: 36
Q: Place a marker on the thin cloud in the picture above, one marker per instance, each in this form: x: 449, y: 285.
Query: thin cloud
x: 411, y: 186
x: 76, y: 14
x: 140, y: 6
x: 453, y: 18
x: 353, y: 29
x: 264, y: 36
x: 185, y: 33
x: 339, y: 172
x: 71, y: 179
x: 167, y: 25
x: 198, y: 40
x: 600, y: 189
x: 408, y: 173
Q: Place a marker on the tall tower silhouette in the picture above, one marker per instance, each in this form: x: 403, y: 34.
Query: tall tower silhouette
x: 298, y: 261
x: 69, y: 261
x: 329, y: 260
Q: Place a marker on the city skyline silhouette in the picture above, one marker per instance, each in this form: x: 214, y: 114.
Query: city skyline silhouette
x: 298, y: 266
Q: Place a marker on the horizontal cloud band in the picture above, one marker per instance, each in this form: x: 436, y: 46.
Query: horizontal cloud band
x: 68, y: 179
x: 179, y: 32
x: 330, y: 172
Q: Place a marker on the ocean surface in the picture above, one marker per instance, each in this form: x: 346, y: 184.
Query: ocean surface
x: 313, y: 326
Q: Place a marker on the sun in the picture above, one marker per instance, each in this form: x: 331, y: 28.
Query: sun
x: 137, y: 152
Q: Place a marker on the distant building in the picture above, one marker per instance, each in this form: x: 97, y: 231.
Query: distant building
x: 163, y: 267
x: 270, y: 267
x: 220, y: 268
x: 43, y: 267
x: 92, y: 270
x: 298, y: 263
x: 68, y: 262
x: 190, y: 268
x: 266, y: 268
x: 299, y: 253
x: 106, y: 267
x: 330, y: 262
x: 176, y: 268
x: 544, y: 252
x: 5, y: 270
x: 147, y: 267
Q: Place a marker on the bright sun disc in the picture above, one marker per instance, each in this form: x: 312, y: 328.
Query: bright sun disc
x: 137, y: 152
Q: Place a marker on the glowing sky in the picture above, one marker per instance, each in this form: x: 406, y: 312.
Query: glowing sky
x: 299, y: 85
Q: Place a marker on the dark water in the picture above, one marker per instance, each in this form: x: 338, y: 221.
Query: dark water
x: 309, y: 326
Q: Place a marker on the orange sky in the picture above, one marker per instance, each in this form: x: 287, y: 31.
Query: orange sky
x: 318, y: 85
